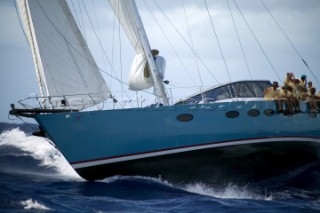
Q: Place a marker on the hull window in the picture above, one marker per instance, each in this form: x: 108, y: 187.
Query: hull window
x: 184, y: 117
x: 232, y: 114
x: 253, y: 113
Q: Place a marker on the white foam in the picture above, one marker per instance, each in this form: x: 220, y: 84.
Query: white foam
x: 40, y: 149
x: 33, y: 204
x: 230, y: 192
x: 120, y: 177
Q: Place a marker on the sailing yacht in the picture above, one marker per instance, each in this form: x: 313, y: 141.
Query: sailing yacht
x: 227, y: 130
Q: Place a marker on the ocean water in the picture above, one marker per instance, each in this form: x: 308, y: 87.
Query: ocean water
x: 35, y: 177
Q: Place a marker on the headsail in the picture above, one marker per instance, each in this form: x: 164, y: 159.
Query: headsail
x: 139, y: 77
x: 64, y: 64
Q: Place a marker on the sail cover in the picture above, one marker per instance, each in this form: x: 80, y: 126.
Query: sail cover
x: 125, y: 10
x: 63, y: 62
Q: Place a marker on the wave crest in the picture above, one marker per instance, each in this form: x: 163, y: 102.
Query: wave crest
x: 38, y: 148
x: 33, y: 204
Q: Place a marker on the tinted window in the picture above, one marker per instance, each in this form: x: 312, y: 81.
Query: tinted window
x: 242, y: 90
x: 218, y: 93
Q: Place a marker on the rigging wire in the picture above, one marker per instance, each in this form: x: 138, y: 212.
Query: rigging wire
x: 291, y: 43
x: 240, y: 43
x: 259, y: 44
x: 219, y: 45
x: 101, y: 46
x: 202, y: 62
x: 99, y: 34
x: 120, y: 55
x: 113, y: 36
x: 220, y: 48
x: 192, y: 45
x: 84, y: 57
x: 170, y: 43
x: 241, y: 46
x: 122, y: 83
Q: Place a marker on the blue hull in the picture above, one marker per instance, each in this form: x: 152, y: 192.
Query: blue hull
x: 143, y: 141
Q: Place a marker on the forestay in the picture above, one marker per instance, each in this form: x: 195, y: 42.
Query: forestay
x: 63, y: 62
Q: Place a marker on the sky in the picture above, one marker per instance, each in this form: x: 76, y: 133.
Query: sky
x: 192, y: 54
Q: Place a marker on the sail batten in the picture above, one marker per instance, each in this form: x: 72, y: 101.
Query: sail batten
x: 63, y: 61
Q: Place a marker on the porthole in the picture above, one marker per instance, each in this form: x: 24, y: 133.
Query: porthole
x: 253, y: 113
x: 268, y: 112
x: 184, y: 117
x: 232, y: 114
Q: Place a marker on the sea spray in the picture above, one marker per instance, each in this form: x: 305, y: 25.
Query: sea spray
x: 230, y: 192
x: 40, y: 149
x: 33, y: 204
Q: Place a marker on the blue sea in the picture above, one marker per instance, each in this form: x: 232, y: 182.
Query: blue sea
x: 35, y: 177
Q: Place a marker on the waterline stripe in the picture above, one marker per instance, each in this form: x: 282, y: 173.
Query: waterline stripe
x: 120, y: 158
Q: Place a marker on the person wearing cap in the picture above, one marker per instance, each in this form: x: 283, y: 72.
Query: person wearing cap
x: 273, y: 93
x: 303, y: 81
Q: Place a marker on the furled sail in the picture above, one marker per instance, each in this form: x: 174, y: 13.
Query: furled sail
x: 139, y: 77
x: 63, y: 62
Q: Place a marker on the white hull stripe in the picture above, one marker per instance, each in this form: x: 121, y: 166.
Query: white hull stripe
x: 116, y: 159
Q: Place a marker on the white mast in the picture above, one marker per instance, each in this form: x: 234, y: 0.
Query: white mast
x: 157, y: 82
x: 128, y: 15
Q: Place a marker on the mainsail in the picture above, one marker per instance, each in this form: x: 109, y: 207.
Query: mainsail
x: 63, y: 62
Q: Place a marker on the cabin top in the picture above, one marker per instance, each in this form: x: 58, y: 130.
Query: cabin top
x: 239, y: 89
